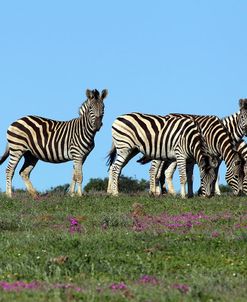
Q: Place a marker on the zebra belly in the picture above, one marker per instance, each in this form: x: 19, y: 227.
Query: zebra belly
x: 159, y: 154
x: 50, y: 158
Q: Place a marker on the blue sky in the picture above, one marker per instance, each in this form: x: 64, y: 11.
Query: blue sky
x: 153, y: 56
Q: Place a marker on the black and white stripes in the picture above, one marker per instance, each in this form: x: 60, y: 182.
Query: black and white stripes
x: 157, y: 137
x: 235, y: 127
x: 36, y: 138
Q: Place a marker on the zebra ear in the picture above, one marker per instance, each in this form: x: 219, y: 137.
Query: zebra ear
x: 89, y: 94
x: 243, y: 103
x: 104, y: 94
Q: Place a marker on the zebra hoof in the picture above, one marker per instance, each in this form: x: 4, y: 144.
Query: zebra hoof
x: 153, y: 194
x: 114, y: 194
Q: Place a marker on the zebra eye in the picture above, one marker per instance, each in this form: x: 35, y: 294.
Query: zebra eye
x: 237, y: 162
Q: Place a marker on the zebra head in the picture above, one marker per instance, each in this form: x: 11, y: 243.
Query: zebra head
x: 207, y: 174
x: 96, y: 106
x: 243, y: 115
x: 208, y: 165
x: 234, y: 175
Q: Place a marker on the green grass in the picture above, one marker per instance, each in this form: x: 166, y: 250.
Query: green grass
x: 187, y: 250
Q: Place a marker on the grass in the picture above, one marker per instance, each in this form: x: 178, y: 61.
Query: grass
x: 130, y: 248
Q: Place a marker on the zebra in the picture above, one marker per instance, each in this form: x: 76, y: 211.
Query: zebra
x: 157, y: 137
x: 37, y: 138
x: 235, y: 125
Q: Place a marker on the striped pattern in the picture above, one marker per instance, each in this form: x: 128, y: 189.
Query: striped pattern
x: 37, y: 138
x: 242, y: 150
x: 160, y: 138
x: 236, y: 128
x: 236, y: 124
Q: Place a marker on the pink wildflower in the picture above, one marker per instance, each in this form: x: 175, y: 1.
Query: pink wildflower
x: 148, y: 279
x: 215, y: 234
x: 118, y: 286
x: 75, y: 226
x: 18, y: 285
x: 183, y: 288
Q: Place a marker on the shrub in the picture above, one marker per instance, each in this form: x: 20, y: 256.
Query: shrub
x: 126, y: 184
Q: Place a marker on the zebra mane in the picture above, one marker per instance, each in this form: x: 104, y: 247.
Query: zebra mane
x: 233, y: 119
x: 227, y: 131
x: 233, y: 115
x: 95, y: 95
x: 83, y: 107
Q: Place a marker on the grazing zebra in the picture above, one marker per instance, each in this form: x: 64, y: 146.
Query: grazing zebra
x: 54, y: 141
x: 157, y: 137
x: 236, y: 126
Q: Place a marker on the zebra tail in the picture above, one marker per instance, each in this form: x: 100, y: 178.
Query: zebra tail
x: 111, y: 156
x: 144, y: 160
x: 5, y: 155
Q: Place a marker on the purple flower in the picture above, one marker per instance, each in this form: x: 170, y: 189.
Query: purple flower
x: 238, y: 226
x: 183, y: 288
x: 75, y: 226
x: 148, y: 279
x: 118, y: 286
x: 18, y: 285
x: 215, y: 234
x: 73, y: 221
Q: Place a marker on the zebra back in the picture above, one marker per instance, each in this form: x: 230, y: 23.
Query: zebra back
x: 216, y: 136
x: 156, y: 136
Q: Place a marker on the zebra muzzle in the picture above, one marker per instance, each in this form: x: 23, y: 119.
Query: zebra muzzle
x: 98, y: 124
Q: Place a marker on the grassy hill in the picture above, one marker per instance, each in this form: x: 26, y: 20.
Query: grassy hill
x: 130, y: 248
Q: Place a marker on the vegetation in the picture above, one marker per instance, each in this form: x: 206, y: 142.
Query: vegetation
x: 62, y: 189
x: 130, y: 248
x: 225, y: 189
x: 126, y: 185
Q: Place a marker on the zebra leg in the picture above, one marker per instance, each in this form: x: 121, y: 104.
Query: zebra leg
x: 181, y: 162
x: 76, y: 179
x: 79, y: 184
x: 29, y: 164
x: 215, y: 184
x: 109, y: 187
x: 122, y: 157
x: 162, y: 180
x: 154, y: 174
x: 217, y: 187
x: 14, y: 158
x: 189, y: 173
x: 169, y: 172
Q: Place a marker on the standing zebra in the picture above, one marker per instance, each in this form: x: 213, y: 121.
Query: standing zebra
x: 54, y: 141
x: 157, y: 138
x: 235, y: 125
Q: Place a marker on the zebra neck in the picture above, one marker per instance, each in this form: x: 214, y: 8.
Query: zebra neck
x: 229, y: 157
x: 85, y: 121
x: 232, y: 125
x: 84, y: 109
